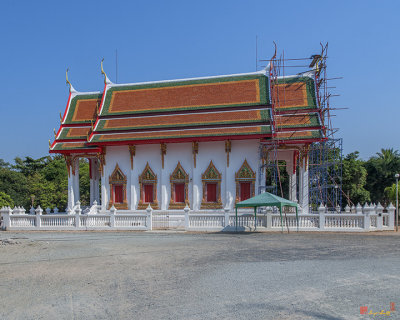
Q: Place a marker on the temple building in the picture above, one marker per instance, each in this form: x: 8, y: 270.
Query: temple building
x: 201, y: 142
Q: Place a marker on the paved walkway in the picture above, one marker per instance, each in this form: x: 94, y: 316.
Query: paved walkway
x: 148, y: 275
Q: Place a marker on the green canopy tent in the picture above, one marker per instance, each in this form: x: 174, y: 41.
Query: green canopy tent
x: 266, y: 199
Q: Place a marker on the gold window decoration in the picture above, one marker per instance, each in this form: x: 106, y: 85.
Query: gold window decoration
x: 179, y: 180
x: 148, y: 189
x: 211, y: 180
x: 245, y: 177
x: 117, y: 181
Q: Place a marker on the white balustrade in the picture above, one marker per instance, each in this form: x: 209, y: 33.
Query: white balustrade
x: 371, y: 217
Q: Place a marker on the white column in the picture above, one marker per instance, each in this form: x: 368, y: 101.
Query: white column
x: 75, y: 180
x: 292, y: 180
x: 196, y: 185
x: 104, y: 196
x: 163, y: 187
x: 96, y: 180
x: 303, y: 192
x: 260, y: 177
x: 229, y: 181
x: 71, y: 198
x: 134, y: 199
x: 92, y: 181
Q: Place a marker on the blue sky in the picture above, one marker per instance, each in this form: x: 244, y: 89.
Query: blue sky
x: 158, y: 40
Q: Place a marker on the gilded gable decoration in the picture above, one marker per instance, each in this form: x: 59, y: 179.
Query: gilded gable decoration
x: 148, y: 177
x: 228, y: 148
x: 195, y: 151
x: 117, y: 181
x: 245, y: 174
x: 163, y: 148
x: 179, y: 177
x: 211, y: 176
x: 132, y: 152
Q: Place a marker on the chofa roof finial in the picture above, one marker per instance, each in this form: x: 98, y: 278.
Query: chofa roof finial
x: 106, y: 80
x: 102, y: 71
x: 71, y: 88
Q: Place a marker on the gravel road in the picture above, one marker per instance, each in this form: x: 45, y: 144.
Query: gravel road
x: 155, y: 275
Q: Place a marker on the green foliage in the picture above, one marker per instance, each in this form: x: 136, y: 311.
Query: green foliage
x: 44, y: 180
x: 354, y: 178
x: 15, y: 184
x: 381, y: 170
x: 84, y: 182
x: 5, y: 200
x: 390, y: 193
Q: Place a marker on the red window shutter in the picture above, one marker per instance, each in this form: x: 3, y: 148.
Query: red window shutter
x: 118, y: 194
x: 179, y: 192
x: 148, y: 193
x: 211, y: 192
x: 244, y: 190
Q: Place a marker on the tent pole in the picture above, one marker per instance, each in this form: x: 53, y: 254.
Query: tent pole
x: 297, y: 219
x: 280, y: 211
x: 236, y: 220
x: 255, y: 218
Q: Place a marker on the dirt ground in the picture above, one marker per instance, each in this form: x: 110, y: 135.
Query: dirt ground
x: 173, y: 275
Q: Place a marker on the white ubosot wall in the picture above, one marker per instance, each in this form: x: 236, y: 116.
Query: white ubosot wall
x: 180, y: 152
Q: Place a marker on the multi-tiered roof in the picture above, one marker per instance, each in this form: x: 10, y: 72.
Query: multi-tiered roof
x: 232, y: 107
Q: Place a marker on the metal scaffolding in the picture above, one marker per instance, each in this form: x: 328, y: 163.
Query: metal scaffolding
x: 324, y: 156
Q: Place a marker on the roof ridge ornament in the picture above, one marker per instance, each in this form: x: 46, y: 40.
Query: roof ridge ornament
x: 71, y: 88
x: 106, y: 80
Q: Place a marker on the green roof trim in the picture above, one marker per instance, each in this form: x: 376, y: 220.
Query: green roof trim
x: 64, y: 146
x: 314, y: 134
x: 264, y: 130
x: 72, y: 107
x: 265, y: 117
x: 310, y: 87
x: 264, y: 92
x: 64, y: 133
x: 314, y: 122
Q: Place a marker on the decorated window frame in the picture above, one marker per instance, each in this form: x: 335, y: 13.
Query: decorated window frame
x: 117, y: 178
x: 179, y: 176
x: 245, y: 174
x: 211, y: 175
x: 147, y: 177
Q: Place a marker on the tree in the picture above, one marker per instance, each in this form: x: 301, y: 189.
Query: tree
x: 354, y: 178
x: 15, y: 184
x: 390, y: 193
x: 5, y: 200
x: 381, y: 170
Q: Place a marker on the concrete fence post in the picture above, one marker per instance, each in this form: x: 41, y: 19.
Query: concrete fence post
x: 187, y: 223
x: 321, y: 211
x: 391, y: 209
x: 359, y: 209
x: 78, y: 212
x: 379, y: 216
x: 347, y: 209
x: 113, y: 211
x: 5, y: 212
x: 367, y: 218
x: 149, y: 218
x: 39, y: 212
x: 226, y: 216
x: 269, y: 218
